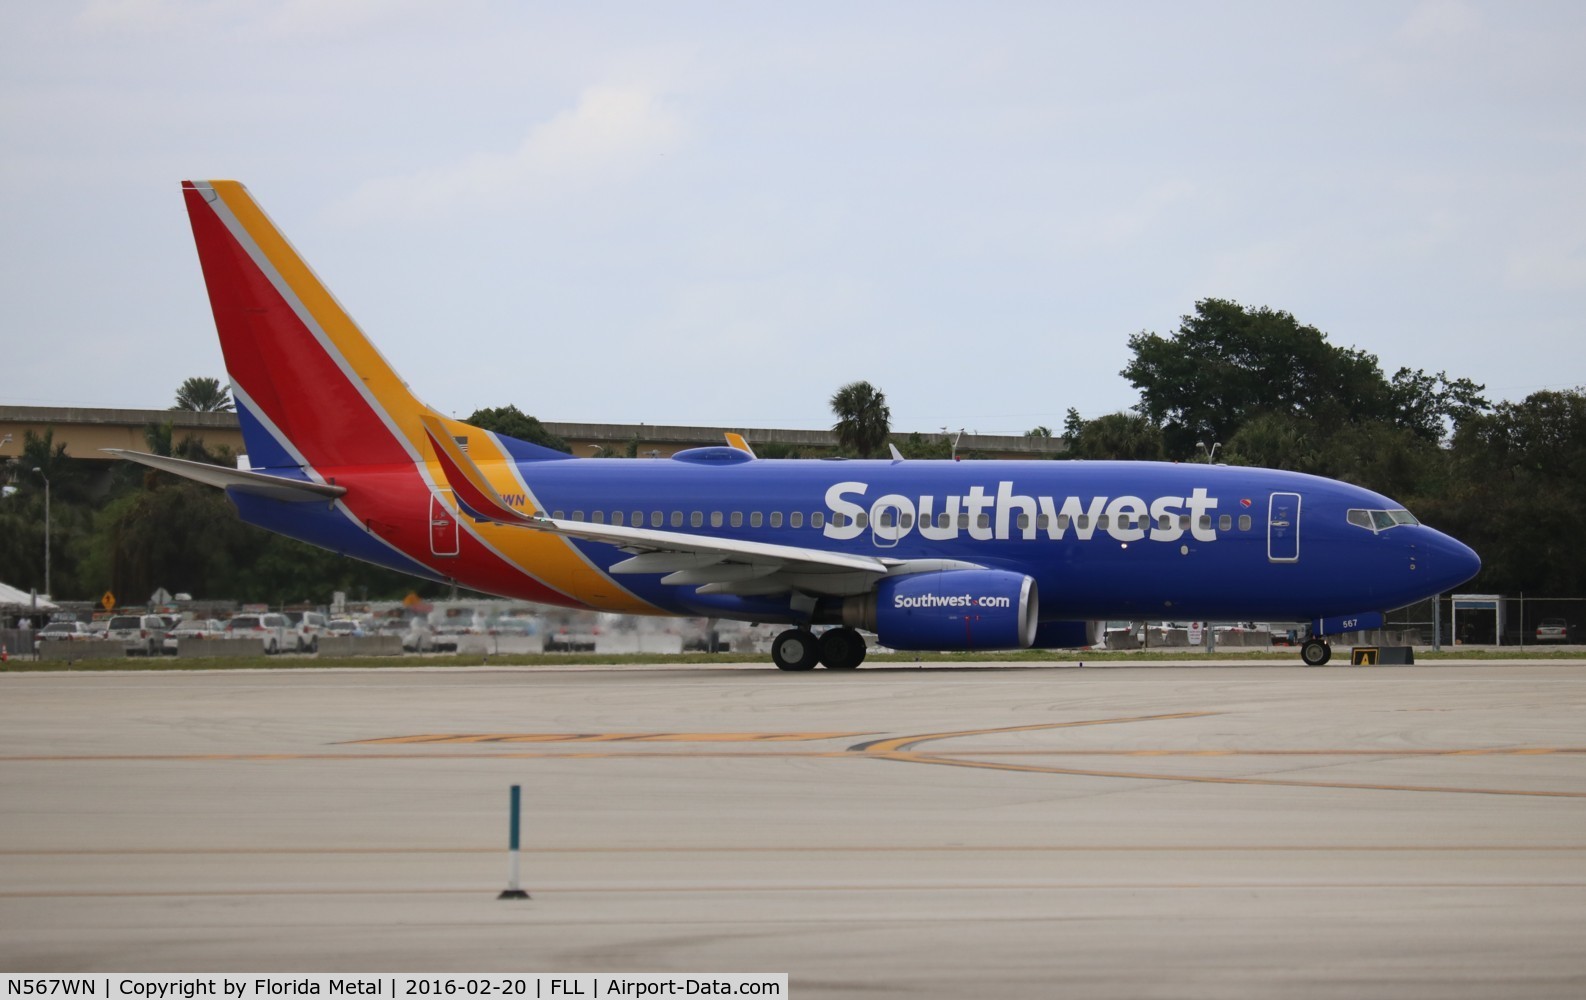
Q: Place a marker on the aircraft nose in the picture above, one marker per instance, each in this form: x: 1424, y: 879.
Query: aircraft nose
x: 1452, y: 562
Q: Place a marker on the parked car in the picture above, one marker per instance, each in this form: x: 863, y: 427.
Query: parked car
x: 513, y: 626
x: 1552, y: 630
x: 309, y: 626
x: 196, y: 628
x: 415, y: 635
x: 62, y: 632
x: 346, y: 627
x: 419, y: 637
x: 139, y: 634
x: 273, y: 631
x: 447, y: 635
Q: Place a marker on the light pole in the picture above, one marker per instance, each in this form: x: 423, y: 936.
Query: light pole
x: 46, y: 528
x: 1211, y: 455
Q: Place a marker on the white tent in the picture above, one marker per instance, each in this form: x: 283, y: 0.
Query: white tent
x: 12, y: 599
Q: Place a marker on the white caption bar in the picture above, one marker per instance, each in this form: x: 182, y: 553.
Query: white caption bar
x: 408, y: 986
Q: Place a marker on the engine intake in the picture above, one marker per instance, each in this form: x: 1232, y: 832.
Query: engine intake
x: 959, y: 609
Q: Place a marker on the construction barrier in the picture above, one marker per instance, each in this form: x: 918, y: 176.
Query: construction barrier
x: 360, y: 645
x: 204, y: 648
x: 70, y: 650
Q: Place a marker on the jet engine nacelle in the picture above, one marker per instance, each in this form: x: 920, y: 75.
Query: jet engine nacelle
x: 959, y: 609
x: 1069, y: 634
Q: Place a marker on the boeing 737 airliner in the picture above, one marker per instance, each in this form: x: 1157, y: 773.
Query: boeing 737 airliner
x: 924, y: 554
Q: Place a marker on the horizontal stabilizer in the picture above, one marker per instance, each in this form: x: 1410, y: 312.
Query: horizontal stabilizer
x: 256, y: 483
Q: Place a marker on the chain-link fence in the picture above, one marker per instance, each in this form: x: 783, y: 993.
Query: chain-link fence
x: 1493, y: 620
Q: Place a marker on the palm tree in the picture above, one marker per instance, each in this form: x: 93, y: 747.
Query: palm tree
x: 864, y: 420
x: 205, y: 395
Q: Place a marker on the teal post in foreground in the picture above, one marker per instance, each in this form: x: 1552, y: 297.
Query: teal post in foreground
x: 513, y: 890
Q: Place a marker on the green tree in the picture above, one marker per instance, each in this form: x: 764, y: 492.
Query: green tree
x: 864, y: 420
x: 778, y: 449
x: 1124, y: 436
x: 920, y: 446
x: 1425, y: 404
x: 1515, y: 495
x: 1227, y: 364
x: 1272, y: 441
x: 203, y: 395
x: 514, y: 423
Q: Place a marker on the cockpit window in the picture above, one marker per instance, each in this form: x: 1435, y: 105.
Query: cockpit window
x: 1381, y: 520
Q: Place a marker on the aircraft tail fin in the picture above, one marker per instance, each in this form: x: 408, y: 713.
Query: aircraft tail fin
x: 310, y: 388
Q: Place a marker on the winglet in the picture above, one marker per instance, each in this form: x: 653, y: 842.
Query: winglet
x: 472, y: 490
x: 736, y: 440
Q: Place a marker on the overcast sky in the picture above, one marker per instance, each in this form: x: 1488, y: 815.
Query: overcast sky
x: 719, y: 213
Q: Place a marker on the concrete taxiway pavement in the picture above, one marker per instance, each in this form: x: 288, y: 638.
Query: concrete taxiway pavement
x: 1018, y: 831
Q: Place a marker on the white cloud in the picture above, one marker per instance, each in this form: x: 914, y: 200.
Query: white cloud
x: 272, y: 18
x: 612, y: 134
x: 1546, y: 271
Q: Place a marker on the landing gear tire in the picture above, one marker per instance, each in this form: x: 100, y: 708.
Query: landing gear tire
x: 795, y: 649
x: 842, y: 649
x: 1315, y: 653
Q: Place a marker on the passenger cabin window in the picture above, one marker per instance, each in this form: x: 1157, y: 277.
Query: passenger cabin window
x: 1225, y: 523
x: 737, y: 519
x: 1244, y: 522
x: 715, y: 519
x: 656, y: 519
x: 677, y: 519
x: 796, y: 519
x: 617, y: 517
x: 818, y: 519
x: 776, y: 519
x: 756, y: 519
x: 696, y: 520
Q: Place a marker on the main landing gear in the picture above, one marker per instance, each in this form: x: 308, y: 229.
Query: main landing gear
x: 801, y: 649
x: 1316, y: 652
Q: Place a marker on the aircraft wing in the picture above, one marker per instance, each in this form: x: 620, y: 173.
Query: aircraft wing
x: 715, y: 565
